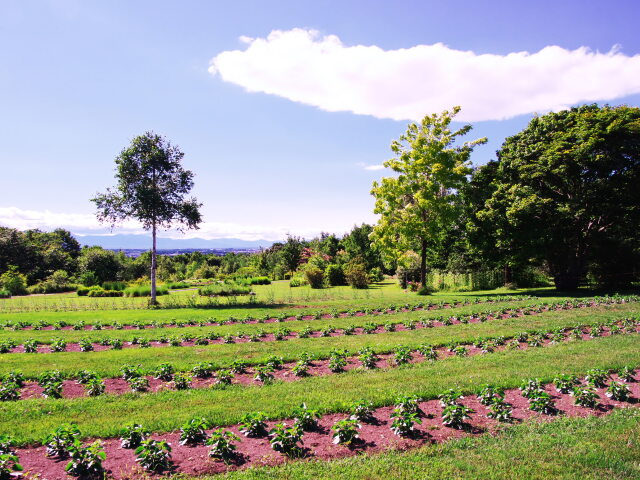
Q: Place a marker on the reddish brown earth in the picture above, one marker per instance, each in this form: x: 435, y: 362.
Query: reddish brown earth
x: 269, y: 337
x: 374, y: 437
x: 118, y: 386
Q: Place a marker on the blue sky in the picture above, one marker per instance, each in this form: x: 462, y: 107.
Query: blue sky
x: 79, y: 79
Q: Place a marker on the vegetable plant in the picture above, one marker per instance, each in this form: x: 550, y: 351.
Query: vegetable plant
x: 224, y: 377
x: 345, y: 432
x: 133, y: 435
x: 286, y: 439
x: 182, y: 381
x: 9, y: 391
x: 264, y: 373
x: 618, y: 391
x: 61, y: 440
x: 627, y: 374
x: 454, y: 415
x: 565, y: 383
x: 95, y: 387
x: 154, y: 455
x: 222, y: 445
x: 597, y: 378
x: 362, y: 411
x: 585, y: 396
x: 138, y: 384
x: 8, y: 466
x: 165, y: 372
x: 404, y: 422
x: 254, y: 425
x: 86, y: 462
x: 541, y: 402
x: 500, y: 410
x: 305, y: 418
x: 193, y: 431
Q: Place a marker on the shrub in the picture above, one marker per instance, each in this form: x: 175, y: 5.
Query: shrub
x: 182, y: 381
x: 9, y: 391
x: 133, y: 435
x: 335, y: 275
x: 154, y: 455
x: 165, y: 372
x: 345, y: 432
x: 356, y: 275
x: 61, y: 440
x: 95, y: 387
x: 224, y: 290
x: 627, y: 374
x: 222, y: 447
x: 565, y: 383
x: 597, y: 378
x: 254, y: 425
x: 500, y: 410
x: 5, y: 293
x: 375, y: 275
x: 264, y: 373
x: 86, y: 461
x: 488, y: 395
x: 193, y: 431
x: 314, y: 276
x: 13, y: 281
x: 541, y: 402
x: 425, y: 290
x: 286, y: 439
x: 138, y: 384
x: 362, y: 411
x: 202, y: 370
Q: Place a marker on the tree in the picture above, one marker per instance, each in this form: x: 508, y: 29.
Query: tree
x: 418, y: 204
x: 565, y: 192
x: 151, y: 188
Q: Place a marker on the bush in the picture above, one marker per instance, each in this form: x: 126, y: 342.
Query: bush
x: 5, y: 293
x: 13, y: 281
x: 145, y: 291
x: 314, y: 276
x: 114, y: 286
x: 376, y: 275
x: 335, y: 275
x: 425, y: 290
x: 297, y: 282
x: 224, y: 290
x: 356, y: 275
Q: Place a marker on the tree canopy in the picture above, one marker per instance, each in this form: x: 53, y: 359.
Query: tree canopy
x: 418, y: 205
x: 151, y: 188
x: 564, y: 191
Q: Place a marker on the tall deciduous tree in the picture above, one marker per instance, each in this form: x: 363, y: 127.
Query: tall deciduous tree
x: 566, y: 191
x: 151, y: 188
x: 418, y: 204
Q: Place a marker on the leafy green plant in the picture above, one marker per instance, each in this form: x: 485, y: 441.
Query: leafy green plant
x: 86, y: 462
x: 238, y: 366
x: 52, y: 389
x: 30, y: 346
x: 585, y: 396
x: 222, y: 445
x: 274, y: 362
x: 154, y: 455
x: 489, y: 394
x: 300, y: 369
x: 500, y: 410
x: 254, y: 424
x: 85, y: 376
x: 454, y: 415
x: 404, y: 422
x: 165, y: 372
x: 193, y: 432
x: 530, y: 388
x: 286, y: 439
x: 618, y: 391
x: 182, y: 381
x: 597, y: 378
x: 59, y: 442
x: 428, y: 352
x: 542, y: 402
x: 132, y: 435
x: 362, y: 411
x: 368, y: 358
x: 95, y: 387
x: 627, y: 374
x: 402, y: 355
x: 14, y: 377
x: 264, y: 373
x: 449, y: 397
x: 86, y: 345
x: 8, y: 462
x: 58, y: 345
x: 130, y: 371
x: 305, y: 418
x: 9, y: 391
x: 345, y: 432
x: 408, y: 403
x: 224, y: 377
x: 565, y: 383
x: 138, y: 384
x: 202, y: 370
x: 116, y: 344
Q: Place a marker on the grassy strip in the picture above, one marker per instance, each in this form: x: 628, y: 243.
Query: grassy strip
x: 107, y: 363
x: 589, y: 448
x: 29, y: 420
x: 46, y: 336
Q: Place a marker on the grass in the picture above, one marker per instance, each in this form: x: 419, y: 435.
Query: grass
x: 29, y: 420
x: 46, y: 336
x: 589, y: 448
x: 107, y: 363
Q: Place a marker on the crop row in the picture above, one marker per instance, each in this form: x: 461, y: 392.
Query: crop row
x: 52, y: 384
x: 59, y: 344
x: 409, y: 422
x: 284, y: 316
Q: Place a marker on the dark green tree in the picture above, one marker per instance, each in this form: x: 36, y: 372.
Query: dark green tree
x: 565, y: 192
x: 151, y: 188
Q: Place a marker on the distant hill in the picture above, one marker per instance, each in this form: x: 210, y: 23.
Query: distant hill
x: 144, y: 242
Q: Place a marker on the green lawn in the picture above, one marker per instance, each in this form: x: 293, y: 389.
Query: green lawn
x: 108, y: 363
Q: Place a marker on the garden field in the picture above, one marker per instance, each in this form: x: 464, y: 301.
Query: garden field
x: 335, y: 383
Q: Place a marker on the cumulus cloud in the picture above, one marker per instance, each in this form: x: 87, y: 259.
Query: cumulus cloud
x: 84, y: 224
x: 406, y: 84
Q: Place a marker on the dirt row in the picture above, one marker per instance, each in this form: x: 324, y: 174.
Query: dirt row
x: 374, y: 436
x: 119, y: 386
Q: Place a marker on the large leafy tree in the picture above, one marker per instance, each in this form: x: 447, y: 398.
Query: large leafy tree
x: 565, y: 191
x: 151, y: 188
x: 418, y: 204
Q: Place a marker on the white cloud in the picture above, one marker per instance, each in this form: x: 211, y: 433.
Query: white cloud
x: 84, y: 224
x: 370, y: 167
x: 406, y: 84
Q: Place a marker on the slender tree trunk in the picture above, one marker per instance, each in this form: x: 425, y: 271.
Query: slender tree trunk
x: 153, y: 265
x: 508, y: 275
x: 423, y: 262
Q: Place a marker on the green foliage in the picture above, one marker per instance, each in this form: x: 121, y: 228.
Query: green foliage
x: 132, y: 435
x: 8, y: 466
x: 286, y: 439
x: 154, y: 455
x: 222, y: 446
x: 86, y: 462
x: 13, y: 281
x: 345, y: 432
x: 60, y: 442
x: 194, y: 432
x: 356, y: 274
x: 254, y: 425
x: 335, y: 275
x: 224, y: 290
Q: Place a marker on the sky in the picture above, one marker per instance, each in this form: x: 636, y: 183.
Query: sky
x: 285, y: 110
